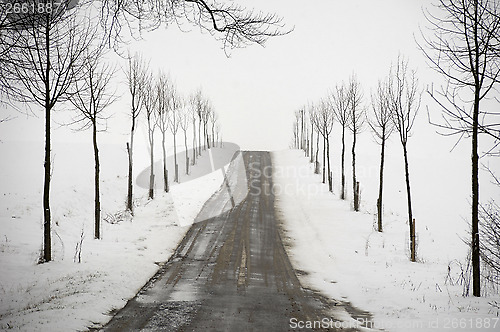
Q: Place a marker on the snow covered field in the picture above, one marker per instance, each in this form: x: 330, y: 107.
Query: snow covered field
x: 346, y: 259
x: 65, y: 295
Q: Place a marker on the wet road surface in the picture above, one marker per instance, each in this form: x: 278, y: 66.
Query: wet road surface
x: 231, y: 271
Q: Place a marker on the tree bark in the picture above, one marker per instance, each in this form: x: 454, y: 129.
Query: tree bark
x: 324, y: 158
x: 316, y: 167
x: 47, y: 241
x: 355, y: 194
x: 381, y: 183
x: 410, y: 214
x: 97, y: 199
x: 165, y: 171
x: 342, y: 194
x: 311, y: 145
x: 130, y: 146
x: 194, y: 141
x: 176, y: 175
x: 330, y: 184
x: 151, y: 173
x: 47, y: 244
x: 199, y: 136
x: 187, y: 152
x: 476, y: 264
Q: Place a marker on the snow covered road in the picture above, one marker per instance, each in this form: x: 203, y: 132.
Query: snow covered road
x: 231, y: 271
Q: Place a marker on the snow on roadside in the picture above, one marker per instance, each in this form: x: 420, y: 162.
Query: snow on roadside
x: 347, y: 260
x: 64, y: 295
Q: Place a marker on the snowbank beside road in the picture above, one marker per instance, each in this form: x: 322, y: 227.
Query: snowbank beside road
x: 346, y: 259
x: 64, y: 295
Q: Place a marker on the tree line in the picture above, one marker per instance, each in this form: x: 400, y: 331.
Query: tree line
x: 394, y: 107
x: 461, y: 42
x: 166, y: 109
x: 51, y: 56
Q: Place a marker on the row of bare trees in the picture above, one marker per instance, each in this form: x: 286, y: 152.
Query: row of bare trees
x: 166, y: 109
x: 394, y: 106
x: 50, y: 53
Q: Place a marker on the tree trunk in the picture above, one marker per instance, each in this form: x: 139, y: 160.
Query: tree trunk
x: 47, y: 241
x: 311, y: 152
x: 324, y: 158
x: 176, y: 174
x: 355, y: 194
x: 342, y: 194
x: 187, y: 153
x: 130, y: 168
x: 476, y: 268
x: 213, y: 135
x: 194, y: 141
x: 410, y: 214
x: 151, y: 174
x: 330, y: 184
x: 316, y: 167
x: 97, y: 200
x: 199, y: 137
x: 165, y: 171
x: 381, y: 183
x: 207, y: 136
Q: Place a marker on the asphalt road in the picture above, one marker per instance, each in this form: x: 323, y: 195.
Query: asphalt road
x: 231, y: 271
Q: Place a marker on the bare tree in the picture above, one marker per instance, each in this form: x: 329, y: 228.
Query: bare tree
x: 382, y: 127
x: 150, y: 105
x: 164, y: 88
x: 464, y: 49
x: 311, y: 148
x: 213, y: 121
x: 199, y: 103
x: 196, y: 102
x: 136, y: 80
x: 296, y: 129
x: 91, y: 98
x: 184, y: 119
x: 205, y: 117
x: 404, y: 103
x: 340, y: 101
x: 218, y: 134
x: 51, y: 48
x: 324, y: 123
x: 356, y: 122
x: 176, y: 103
x: 311, y: 112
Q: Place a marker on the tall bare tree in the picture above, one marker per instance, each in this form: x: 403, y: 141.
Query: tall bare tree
x: 176, y: 104
x: 463, y: 47
x: 195, y: 103
x: 324, y: 123
x: 382, y: 127
x: 205, y: 117
x: 92, y: 96
x: 50, y: 52
x: 356, y: 122
x: 164, y: 86
x: 184, y: 119
x: 404, y: 103
x: 150, y: 105
x: 213, y: 121
x: 136, y: 80
x: 341, y: 111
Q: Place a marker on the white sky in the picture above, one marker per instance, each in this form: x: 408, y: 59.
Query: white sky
x: 257, y: 90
